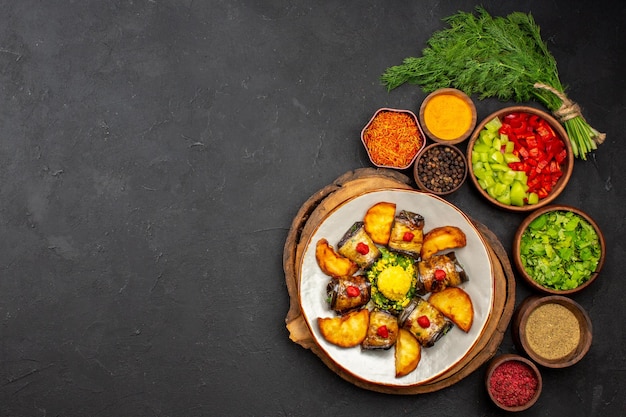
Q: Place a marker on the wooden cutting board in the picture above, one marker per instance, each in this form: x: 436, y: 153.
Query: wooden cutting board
x: 355, y: 183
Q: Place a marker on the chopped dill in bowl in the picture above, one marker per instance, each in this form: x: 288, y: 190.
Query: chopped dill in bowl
x: 560, y: 250
x: 393, y: 278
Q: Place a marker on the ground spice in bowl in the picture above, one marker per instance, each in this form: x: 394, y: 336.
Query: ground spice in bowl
x: 552, y: 331
x: 513, y: 382
x: 448, y: 115
x: 440, y: 169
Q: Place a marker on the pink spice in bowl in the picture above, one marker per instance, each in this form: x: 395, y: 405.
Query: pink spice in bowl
x: 513, y: 382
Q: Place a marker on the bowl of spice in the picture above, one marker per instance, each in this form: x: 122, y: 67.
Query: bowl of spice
x: 393, y: 138
x: 448, y: 116
x: 440, y: 169
x: 513, y: 382
x: 559, y: 249
x: 520, y: 158
x: 553, y: 330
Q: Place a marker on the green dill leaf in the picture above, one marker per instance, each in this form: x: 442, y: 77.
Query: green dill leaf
x: 502, y: 57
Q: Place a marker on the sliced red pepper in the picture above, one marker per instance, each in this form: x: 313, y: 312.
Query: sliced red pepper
x: 542, y: 164
x: 518, y: 166
x: 542, y: 193
x: 534, y: 153
x: 560, y: 157
x: 534, y: 120
x: 540, y: 150
x: 531, y: 141
x: 523, y: 152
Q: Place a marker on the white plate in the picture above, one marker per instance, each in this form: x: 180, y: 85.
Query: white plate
x: 377, y: 366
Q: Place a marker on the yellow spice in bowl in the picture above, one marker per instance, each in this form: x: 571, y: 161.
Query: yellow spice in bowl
x: 552, y: 331
x: 447, y: 116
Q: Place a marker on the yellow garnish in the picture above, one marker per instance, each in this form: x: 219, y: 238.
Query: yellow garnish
x: 394, y: 283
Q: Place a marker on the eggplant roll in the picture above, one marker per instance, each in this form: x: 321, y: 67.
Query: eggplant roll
x: 358, y: 246
x: 439, y: 272
x: 348, y: 293
x: 425, y: 322
x: 382, y: 332
x: 407, y: 234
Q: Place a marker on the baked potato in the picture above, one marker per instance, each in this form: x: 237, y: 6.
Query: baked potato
x: 408, y: 353
x: 332, y: 263
x: 345, y: 331
x: 442, y: 238
x: 455, y: 304
x: 378, y: 220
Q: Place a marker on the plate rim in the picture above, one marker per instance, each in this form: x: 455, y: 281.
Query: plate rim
x: 308, y: 322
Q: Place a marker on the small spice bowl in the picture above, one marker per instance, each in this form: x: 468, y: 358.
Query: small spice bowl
x: 573, y: 238
x: 393, y: 138
x: 507, y: 146
x: 448, y: 116
x: 513, y: 382
x: 553, y: 330
x: 440, y: 169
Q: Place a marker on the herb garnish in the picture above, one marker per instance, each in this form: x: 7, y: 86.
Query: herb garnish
x: 503, y: 57
x: 560, y: 250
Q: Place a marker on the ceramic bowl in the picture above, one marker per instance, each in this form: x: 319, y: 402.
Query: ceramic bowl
x: 414, y: 142
x: 519, y: 262
x: 566, y: 166
x: 440, y: 169
x: 448, y: 115
x: 553, y: 330
x: 506, y: 381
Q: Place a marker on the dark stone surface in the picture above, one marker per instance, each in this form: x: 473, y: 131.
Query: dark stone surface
x: 152, y: 156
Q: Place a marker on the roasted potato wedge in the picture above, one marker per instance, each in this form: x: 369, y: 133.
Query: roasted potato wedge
x: 442, y: 238
x: 408, y: 353
x: 455, y: 304
x: 378, y: 220
x: 332, y: 263
x: 345, y: 331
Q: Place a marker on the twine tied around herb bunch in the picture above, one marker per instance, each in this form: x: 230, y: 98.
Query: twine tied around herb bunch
x: 568, y: 110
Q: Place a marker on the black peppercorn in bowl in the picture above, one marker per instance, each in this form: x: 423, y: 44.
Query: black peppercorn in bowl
x: 440, y: 169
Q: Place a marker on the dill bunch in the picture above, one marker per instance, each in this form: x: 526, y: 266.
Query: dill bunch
x: 503, y: 57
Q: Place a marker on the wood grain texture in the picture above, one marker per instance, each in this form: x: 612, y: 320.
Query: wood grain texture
x: 315, y: 209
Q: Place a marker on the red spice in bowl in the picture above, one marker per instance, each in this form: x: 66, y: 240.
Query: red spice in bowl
x: 393, y: 138
x: 513, y: 382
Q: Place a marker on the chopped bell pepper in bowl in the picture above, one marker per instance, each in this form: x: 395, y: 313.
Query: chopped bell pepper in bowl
x: 520, y: 158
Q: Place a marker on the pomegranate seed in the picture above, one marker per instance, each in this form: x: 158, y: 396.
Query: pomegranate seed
x: 423, y: 321
x: 382, y: 331
x: 362, y: 248
x: 353, y: 291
